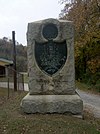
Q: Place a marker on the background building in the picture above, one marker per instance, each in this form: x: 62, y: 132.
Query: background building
x: 5, y: 67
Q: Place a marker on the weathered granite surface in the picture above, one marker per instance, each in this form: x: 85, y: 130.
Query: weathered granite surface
x: 56, y: 93
x: 63, y: 82
x: 52, y: 104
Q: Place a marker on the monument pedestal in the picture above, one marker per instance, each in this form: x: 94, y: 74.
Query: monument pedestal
x: 52, y: 104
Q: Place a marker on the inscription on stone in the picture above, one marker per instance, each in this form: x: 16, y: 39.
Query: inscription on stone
x: 50, y: 56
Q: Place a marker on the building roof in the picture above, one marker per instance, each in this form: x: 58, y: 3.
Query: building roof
x: 5, y: 62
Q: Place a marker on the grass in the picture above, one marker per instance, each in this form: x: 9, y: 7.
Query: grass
x: 26, y: 77
x: 5, y: 79
x: 85, y: 87
x: 13, y: 121
x: 11, y: 78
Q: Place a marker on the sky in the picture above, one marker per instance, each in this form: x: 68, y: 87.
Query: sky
x: 16, y: 14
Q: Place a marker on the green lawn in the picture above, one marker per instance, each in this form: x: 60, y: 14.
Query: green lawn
x: 13, y: 121
x: 11, y: 78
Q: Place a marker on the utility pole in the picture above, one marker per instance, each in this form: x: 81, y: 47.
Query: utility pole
x: 14, y: 61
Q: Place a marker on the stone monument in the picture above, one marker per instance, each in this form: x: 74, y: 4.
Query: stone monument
x: 51, y: 69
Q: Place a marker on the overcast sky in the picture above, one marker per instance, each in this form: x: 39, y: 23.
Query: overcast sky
x: 15, y: 15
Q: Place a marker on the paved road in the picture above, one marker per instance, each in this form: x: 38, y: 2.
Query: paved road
x: 91, y: 101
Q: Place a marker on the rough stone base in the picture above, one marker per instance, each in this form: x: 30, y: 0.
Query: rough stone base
x: 52, y: 104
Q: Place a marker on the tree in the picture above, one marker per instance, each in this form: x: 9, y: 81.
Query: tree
x: 7, y: 53
x: 86, y: 17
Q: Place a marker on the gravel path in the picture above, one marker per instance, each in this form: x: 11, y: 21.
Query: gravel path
x: 91, y: 102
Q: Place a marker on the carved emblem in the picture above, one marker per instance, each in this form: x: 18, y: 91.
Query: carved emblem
x: 50, y: 56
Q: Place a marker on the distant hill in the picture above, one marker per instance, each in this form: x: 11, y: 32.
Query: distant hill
x: 6, y: 51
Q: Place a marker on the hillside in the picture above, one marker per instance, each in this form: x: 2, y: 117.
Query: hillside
x: 6, y: 51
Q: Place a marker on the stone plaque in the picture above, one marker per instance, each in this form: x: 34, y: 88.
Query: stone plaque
x: 50, y: 56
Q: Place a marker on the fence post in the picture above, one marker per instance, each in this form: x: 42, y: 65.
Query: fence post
x: 23, y: 81
x: 8, y: 87
x: 18, y: 81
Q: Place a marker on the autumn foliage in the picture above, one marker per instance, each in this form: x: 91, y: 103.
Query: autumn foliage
x: 86, y: 17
